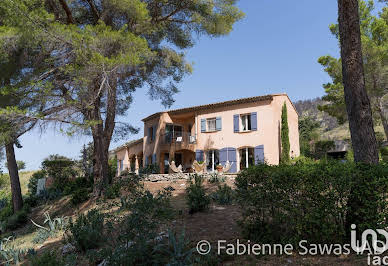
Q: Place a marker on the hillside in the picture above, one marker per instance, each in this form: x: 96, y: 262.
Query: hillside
x: 329, y: 129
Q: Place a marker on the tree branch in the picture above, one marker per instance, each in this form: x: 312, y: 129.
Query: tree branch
x: 64, y: 5
x: 94, y: 9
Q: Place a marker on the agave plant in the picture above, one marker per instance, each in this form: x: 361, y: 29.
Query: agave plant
x: 53, y: 225
x: 10, y: 255
x: 177, y: 250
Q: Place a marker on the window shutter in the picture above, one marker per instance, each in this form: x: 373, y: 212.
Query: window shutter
x: 259, y: 154
x: 154, y: 158
x: 199, y: 155
x: 254, y: 121
x: 146, y: 161
x: 203, y: 125
x: 149, y: 135
x: 223, y: 156
x: 231, y: 156
x: 218, y: 123
x: 236, y: 122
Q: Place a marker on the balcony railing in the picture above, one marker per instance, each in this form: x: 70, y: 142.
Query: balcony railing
x: 178, y: 138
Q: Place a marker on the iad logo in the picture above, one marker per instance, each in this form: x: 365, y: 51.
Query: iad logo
x: 378, y: 246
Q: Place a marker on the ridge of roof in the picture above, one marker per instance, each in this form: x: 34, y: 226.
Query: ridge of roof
x: 128, y: 144
x: 217, y: 104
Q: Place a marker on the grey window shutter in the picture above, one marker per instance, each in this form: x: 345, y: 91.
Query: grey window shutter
x: 149, y: 135
x: 236, y: 122
x: 154, y: 158
x: 218, y: 123
x: 146, y: 160
x: 259, y: 154
x: 254, y: 121
x: 203, y: 125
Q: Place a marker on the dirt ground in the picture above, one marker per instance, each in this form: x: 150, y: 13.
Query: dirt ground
x: 217, y: 223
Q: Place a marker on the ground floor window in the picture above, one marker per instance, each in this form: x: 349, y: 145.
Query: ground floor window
x: 212, y: 160
x: 247, y: 157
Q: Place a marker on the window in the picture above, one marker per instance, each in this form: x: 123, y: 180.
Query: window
x: 211, y: 124
x: 246, y: 122
x: 247, y: 158
x: 121, y: 165
x: 151, y: 133
x: 212, y: 160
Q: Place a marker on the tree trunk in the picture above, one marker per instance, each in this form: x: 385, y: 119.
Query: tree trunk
x: 17, y: 200
x: 356, y: 98
x: 100, y: 167
x: 102, y: 136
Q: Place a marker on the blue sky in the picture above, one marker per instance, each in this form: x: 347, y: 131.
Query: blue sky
x: 274, y: 49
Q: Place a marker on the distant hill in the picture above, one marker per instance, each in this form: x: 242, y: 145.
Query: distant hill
x: 310, y: 108
x: 330, y: 129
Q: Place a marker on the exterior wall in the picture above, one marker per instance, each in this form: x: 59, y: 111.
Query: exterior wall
x: 267, y: 133
x: 122, y: 155
x: 136, y: 149
x: 151, y: 147
x: 293, y: 124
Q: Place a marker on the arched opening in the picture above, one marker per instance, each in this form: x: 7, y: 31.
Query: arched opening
x: 247, y: 157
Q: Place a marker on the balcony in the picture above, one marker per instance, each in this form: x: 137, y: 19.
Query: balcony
x: 178, y: 138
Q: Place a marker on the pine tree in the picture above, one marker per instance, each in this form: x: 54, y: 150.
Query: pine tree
x: 285, y: 155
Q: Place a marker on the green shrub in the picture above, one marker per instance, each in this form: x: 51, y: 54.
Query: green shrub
x: 322, y: 147
x: 316, y: 202
x: 113, y: 191
x: 87, y: 231
x: 6, y: 212
x: 224, y: 195
x: 80, y: 195
x: 138, y: 234
x: 48, y: 258
x: 61, y: 169
x: 77, y: 183
x: 196, y: 197
x: 384, y: 154
x: 112, y: 169
x: 17, y: 219
x: 215, y: 178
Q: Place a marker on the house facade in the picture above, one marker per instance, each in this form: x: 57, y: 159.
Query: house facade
x: 244, y: 132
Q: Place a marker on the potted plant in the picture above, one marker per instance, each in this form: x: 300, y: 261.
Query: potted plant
x: 219, y: 168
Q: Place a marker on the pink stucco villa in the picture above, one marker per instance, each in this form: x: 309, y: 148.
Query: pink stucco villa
x: 243, y: 132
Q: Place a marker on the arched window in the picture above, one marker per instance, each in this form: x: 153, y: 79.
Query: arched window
x: 212, y: 160
x: 247, y: 157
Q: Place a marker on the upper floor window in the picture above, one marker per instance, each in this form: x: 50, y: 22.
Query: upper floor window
x: 151, y: 133
x: 211, y: 124
x: 246, y: 122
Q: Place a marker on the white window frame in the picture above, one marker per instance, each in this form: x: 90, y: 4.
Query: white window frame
x: 247, y: 119
x: 211, y: 120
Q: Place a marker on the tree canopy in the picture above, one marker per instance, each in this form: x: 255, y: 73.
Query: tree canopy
x: 84, y: 59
